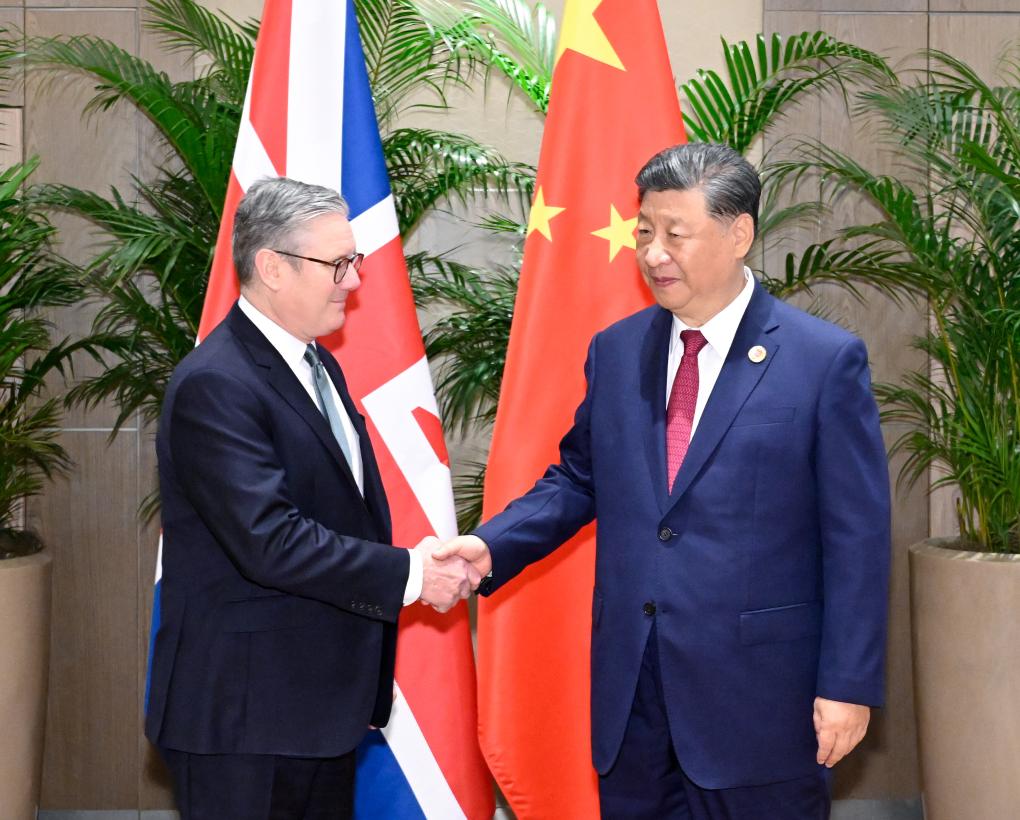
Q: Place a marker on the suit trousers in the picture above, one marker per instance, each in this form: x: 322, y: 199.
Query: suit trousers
x: 647, y: 781
x: 261, y: 787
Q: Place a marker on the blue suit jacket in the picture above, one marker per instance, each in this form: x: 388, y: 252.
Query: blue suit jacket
x: 280, y: 592
x: 767, y: 565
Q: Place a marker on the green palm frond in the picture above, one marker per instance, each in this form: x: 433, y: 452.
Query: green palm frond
x: 512, y: 37
x: 468, y: 345
x: 469, y: 490
x: 774, y: 219
x: 31, y: 278
x: 503, y: 224
x: 764, y: 81
x: 404, y: 58
x: 427, y: 167
x: 872, y: 263
x: 146, y: 341
x: 189, y: 28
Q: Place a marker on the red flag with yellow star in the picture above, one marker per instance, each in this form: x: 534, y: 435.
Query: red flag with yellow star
x: 613, y: 106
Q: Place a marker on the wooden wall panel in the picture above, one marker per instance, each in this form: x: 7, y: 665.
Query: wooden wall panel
x: 91, y: 152
x: 12, y: 20
x: 154, y: 790
x: 974, y: 5
x: 979, y: 39
x: 846, y: 6
x: 803, y: 121
x: 11, y: 140
x: 92, y: 750
x: 82, y: 4
x: 88, y: 521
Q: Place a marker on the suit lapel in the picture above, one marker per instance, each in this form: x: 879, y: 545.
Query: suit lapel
x: 375, y: 494
x: 654, y: 359
x: 739, y: 376
x: 282, y: 379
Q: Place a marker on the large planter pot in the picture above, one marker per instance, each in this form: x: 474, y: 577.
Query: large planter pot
x: 965, y: 609
x: 25, y: 587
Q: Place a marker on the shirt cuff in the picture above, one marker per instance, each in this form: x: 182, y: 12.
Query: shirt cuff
x: 415, y: 578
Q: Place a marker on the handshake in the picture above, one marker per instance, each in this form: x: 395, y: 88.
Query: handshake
x: 451, y: 571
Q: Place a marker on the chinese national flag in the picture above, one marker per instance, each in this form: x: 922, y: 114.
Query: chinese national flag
x: 613, y: 106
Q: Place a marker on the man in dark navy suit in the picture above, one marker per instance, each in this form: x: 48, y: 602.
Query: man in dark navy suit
x: 729, y: 446
x: 281, y: 589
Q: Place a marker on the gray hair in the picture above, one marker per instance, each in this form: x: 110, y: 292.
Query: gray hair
x: 729, y: 182
x: 271, y: 211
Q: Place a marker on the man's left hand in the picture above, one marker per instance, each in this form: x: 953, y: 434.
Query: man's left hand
x: 839, y: 727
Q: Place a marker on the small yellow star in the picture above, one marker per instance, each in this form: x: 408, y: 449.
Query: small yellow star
x: 619, y: 232
x: 541, y: 215
x: 582, y: 33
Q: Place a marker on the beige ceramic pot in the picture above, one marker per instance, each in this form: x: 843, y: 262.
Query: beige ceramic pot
x: 25, y: 585
x: 965, y: 609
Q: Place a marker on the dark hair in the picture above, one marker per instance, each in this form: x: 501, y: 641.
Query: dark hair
x: 271, y: 210
x: 729, y: 182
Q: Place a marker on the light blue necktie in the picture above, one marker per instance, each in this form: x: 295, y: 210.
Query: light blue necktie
x: 324, y: 397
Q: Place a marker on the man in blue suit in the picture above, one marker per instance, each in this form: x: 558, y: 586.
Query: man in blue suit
x: 281, y: 590
x: 729, y: 446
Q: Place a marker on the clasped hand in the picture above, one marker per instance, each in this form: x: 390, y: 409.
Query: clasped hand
x: 451, y: 571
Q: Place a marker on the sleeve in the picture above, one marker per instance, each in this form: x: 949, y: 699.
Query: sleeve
x: 852, y: 472
x: 552, y: 511
x: 415, y: 578
x: 222, y: 446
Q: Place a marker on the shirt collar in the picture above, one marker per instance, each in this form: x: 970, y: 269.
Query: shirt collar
x: 720, y: 330
x: 290, y: 347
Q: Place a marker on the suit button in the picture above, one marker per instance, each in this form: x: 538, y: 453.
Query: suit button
x: 665, y: 534
x: 649, y: 608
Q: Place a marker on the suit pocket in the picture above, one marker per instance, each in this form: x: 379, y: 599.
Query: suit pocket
x: 752, y: 416
x: 596, y: 608
x: 267, y: 614
x: 781, y: 623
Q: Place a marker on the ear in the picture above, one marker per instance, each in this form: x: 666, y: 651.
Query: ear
x: 269, y: 269
x: 742, y: 231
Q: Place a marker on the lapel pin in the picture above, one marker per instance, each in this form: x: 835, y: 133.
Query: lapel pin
x: 757, y: 354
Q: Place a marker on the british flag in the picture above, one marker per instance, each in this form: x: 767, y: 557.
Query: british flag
x: 308, y: 114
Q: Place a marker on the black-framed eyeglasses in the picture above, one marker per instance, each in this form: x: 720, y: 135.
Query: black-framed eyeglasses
x: 340, y: 266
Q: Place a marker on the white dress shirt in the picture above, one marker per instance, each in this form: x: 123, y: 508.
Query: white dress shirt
x: 292, y: 349
x: 718, y: 332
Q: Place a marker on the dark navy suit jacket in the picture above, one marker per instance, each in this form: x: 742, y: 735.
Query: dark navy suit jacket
x: 280, y: 592
x: 767, y: 565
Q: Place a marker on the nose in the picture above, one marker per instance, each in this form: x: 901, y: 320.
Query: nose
x: 351, y: 280
x: 655, y: 254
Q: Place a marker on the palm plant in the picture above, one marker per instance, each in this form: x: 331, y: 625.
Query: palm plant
x: 952, y: 239
x: 156, y: 243
x: 30, y: 279
x: 155, y: 246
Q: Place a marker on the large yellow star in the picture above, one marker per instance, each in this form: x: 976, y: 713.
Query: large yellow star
x: 619, y: 232
x: 541, y: 215
x: 582, y: 33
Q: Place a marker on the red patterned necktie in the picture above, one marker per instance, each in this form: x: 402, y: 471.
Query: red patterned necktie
x: 682, y: 400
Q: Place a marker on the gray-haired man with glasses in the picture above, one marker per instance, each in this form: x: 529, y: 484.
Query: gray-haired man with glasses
x: 281, y: 590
